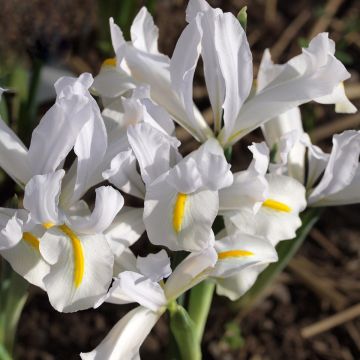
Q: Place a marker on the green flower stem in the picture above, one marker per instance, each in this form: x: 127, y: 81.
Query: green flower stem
x: 199, y: 305
x: 286, y: 250
x: 183, y: 329
x: 13, y: 297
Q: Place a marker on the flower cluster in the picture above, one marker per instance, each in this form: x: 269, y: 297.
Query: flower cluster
x: 81, y: 256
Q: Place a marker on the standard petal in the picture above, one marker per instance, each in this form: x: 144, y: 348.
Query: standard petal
x: 125, y: 338
x: 107, y: 204
x: 42, y: 197
x: 155, y: 151
x: 182, y: 69
x: 81, y: 268
x: 57, y: 131
x: 90, y: 148
x: 124, y: 175
x: 154, y: 266
x: 144, y: 33
x: 235, y: 62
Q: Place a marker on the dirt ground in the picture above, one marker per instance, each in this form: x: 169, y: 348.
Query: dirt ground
x: 323, y: 278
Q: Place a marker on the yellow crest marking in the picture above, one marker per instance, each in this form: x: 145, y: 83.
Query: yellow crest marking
x: 179, y: 211
x: 276, y: 205
x: 79, y: 260
x: 32, y: 240
x: 234, y: 254
x: 111, y: 62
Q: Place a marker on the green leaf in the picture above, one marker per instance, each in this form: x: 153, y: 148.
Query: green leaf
x: 286, y: 250
x: 242, y: 17
x: 183, y: 329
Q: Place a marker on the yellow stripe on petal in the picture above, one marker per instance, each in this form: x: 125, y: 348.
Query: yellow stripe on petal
x: 79, y: 260
x: 111, y: 62
x: 48, y: 225
x: 234, y: 254
x: 276, y: 205
x: 32, y: 240
x: 179, y: 211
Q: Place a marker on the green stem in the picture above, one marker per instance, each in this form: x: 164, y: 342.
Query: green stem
x: 183, y: 329
x: 13, y: 298
x: 199, y: 305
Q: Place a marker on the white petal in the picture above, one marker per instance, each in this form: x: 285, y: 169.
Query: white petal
x: 26, y: 260
x: 215, y: 83
x: 126, y: 228
x: 13, y: 155
x: 192, y: 270
x: 205, y: 168
x: 182, y: 69
x: 248, y: 190
x: 90, y: 148
x: 196, y: 6
x: 123, y: 174
x: 235, y: 286
x: 154, y: 266
x: 57, y: 131
x: 131, y: 287
x: 274, y: 223
x: 178, y: 224
x: 81, y: 269
x: 261, y: 158
x: 126, y: 261
x: 342, y: 166
x: 154, y: 150
x: 316, y: 160
x: 240, y: 251
x: 236, y: 66
x: 308, y: 76
x: 144, y: 34
x: 11, y: 225
x: 107, y: 204
x: 42, y: 197
x: 125, y: 338
x: 117, y: 38
x: 349, y: 195
x: 339, y: 98
x: 112, y: 82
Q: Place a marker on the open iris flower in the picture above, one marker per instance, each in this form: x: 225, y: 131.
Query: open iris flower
x: 143, y: 283
x: 219, y: 38
x: 57, y: 244
x: 181, y: 200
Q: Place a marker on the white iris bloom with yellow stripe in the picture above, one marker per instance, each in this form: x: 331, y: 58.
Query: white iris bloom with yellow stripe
x: 56, y: 242
x: 181, y: 200
x: 139, y: 62
x: 278, y: 216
